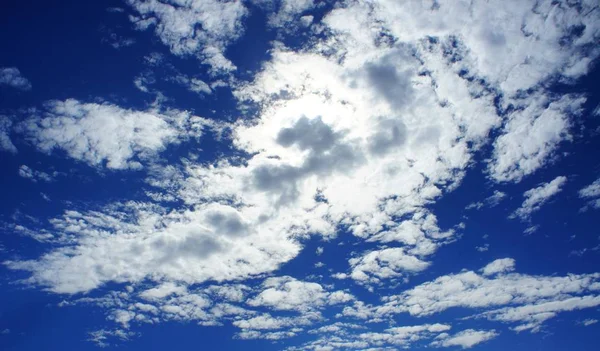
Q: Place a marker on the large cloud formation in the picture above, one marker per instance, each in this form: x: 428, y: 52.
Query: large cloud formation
x: 362, y: 129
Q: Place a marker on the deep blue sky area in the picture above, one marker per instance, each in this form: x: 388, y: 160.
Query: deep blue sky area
x: 240, y: 175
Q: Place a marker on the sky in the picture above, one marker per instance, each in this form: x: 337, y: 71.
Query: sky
x: 299, y: 175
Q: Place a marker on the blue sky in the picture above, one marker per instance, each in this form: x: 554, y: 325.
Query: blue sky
x: 299, y: 175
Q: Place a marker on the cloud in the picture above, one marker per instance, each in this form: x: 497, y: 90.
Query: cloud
x: 535, y: 198
x: 5, y: 129
x: 499, y: 266
x: 391, y: 100
x: 349, y: 336
x: 193, y: 84
x: 35, y: 176
x: 195, y: 27
x: 532, y: 135
x: 533, y: 315
x: 526, y: 300
x: 589, y: 322
x: 491, y: 201
x: 591, y: 193
x: 11, y: 76
x: 105, y: 135
x: 465, y: 339
x: 286, y: 15
x: 383, y: 264
x: 287, y: 293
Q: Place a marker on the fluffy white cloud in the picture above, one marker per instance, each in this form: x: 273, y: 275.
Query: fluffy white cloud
x: 348, y: 336
x: 287, y: 15
x: 12, y: 77
x: 501, y: 265
x: 108, y: 135
x: 363, y: 129
x: 138, y: 241
x: 532, y: 135
x: 533, y: 315
x: 386, y: 263
x: 536, y: 197
x: 194, y: 27
x: 465, y: 339
x: 287, y: 293
x: 530, y: 300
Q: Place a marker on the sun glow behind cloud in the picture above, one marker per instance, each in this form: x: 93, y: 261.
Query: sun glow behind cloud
x: 356, y: 134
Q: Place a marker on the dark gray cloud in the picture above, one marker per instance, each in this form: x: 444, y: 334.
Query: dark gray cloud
x: 328, y: 153
x: 391, y: 133
x: 392, y: 84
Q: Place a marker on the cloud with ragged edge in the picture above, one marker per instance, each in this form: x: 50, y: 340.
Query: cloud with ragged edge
x: 359, y: 132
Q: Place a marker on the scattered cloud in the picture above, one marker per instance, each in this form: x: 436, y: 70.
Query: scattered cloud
x: 535, y: 198
x: 491, y: 201
x: 530, y: 300
x: 589, y: 322
x: 5, y: 130
x: 378, y: 116
x: 11, y: 76
x: 591, y: 194
x: 105, y: 135
x: 200, y: 28
x: 502, y: 265
x: 532, y: 135
x: 35, y: 176
x: 465, y: 339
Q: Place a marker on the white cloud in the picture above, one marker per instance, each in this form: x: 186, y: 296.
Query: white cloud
x: 499, y: 266
x: 591, y: 193
x: 386, y: 263
x: 5, y: 129
x: 193, y: 84
x: 100, y: 337
x: 287, y: 15
x: 529, y: 300
x: 34, y: 175
x: 533, y: 315
x: 391, y: 100
x: 532, y: 135
x: 491, y: 201
x: 348, y: 336
x: 287, y: 293
x: 130, y: 242
x: 162, y: 291
x: 105, y: 135
x: 466, y: 338
x: 194, y: 27
x: 535, y: 198
x: 12, y: 77
x: 589, y: 322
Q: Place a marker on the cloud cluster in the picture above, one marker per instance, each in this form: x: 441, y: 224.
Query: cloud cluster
x: 6, y: 143
x: 106, y: 135
x: 465, y: 339
x: 523, y: 299
x: 536, y: 197
x: 490, y: 201
x: 591, y: 193
x: 360, y: 132
x: 11, y: 76
x: 35, y: 175
x: 194, y: 27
